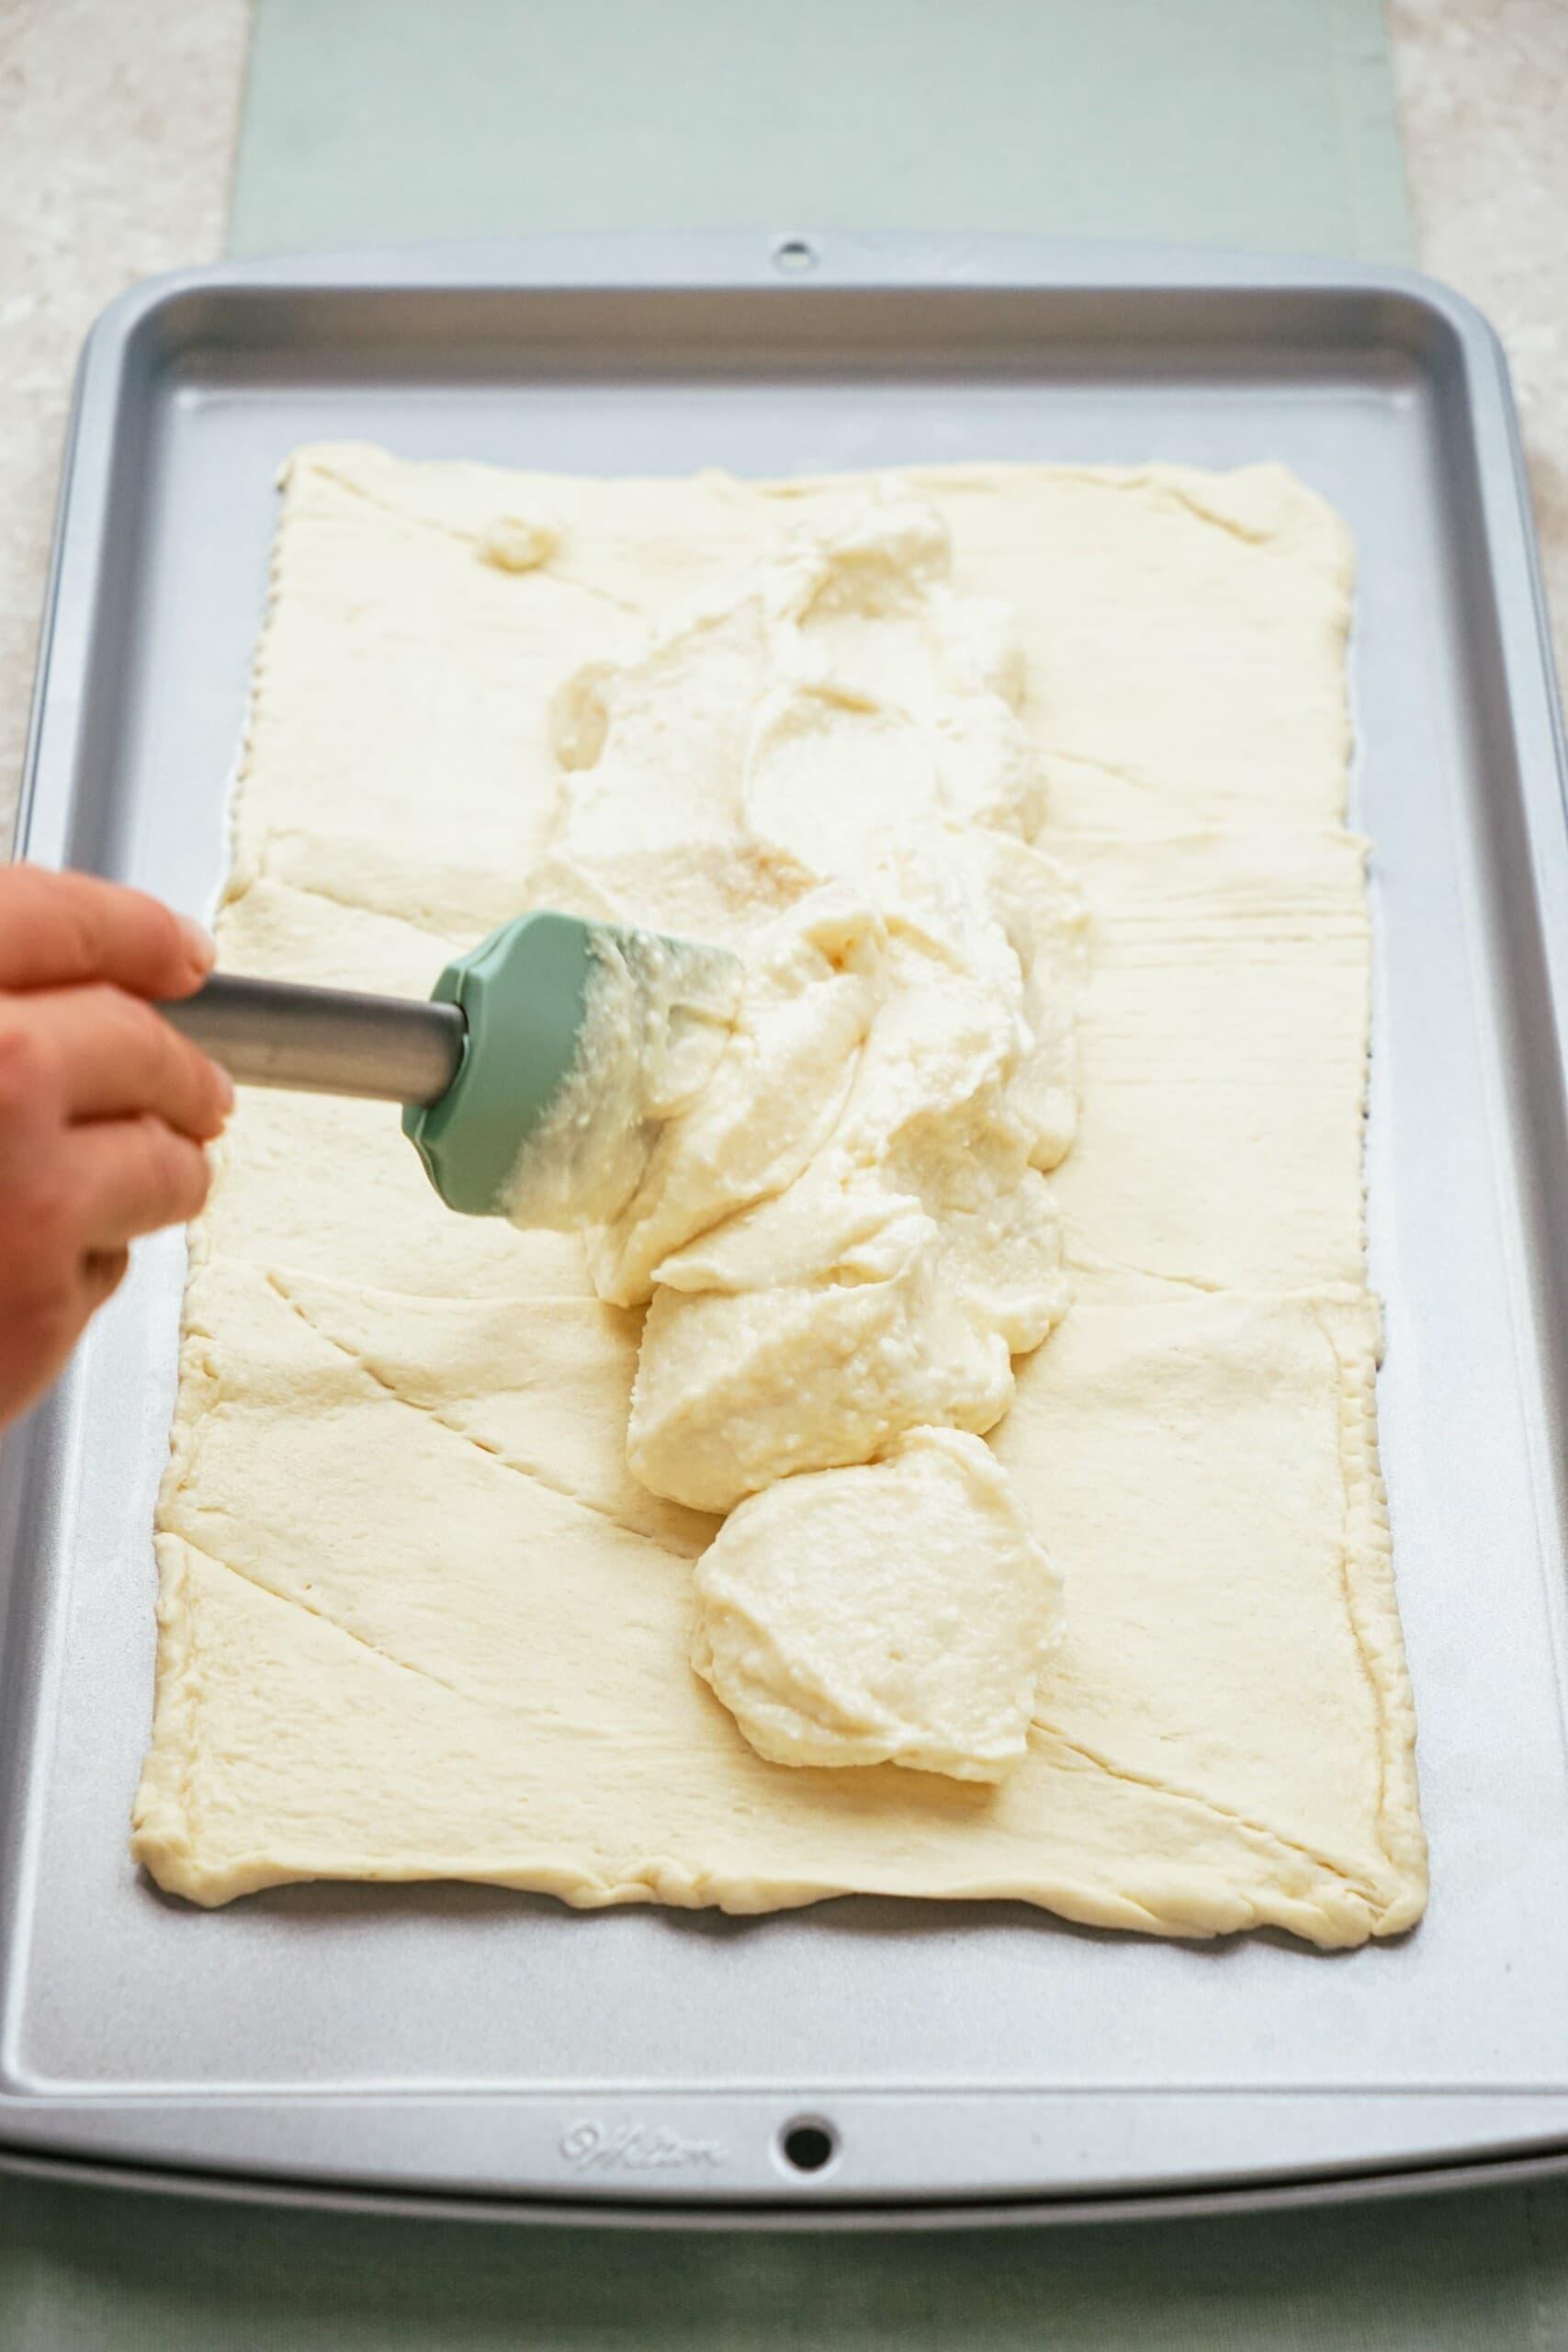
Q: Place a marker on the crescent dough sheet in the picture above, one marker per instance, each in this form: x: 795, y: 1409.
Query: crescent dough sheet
x: 419, y: 1614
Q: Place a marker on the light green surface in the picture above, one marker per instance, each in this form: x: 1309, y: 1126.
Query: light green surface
x: 1259, y: 122
x: 88, y: 2271
x: 1266, y: 123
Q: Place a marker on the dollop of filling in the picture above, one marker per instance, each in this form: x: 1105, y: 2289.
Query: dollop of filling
x: 834, y: 1638
x: 844, y: 1233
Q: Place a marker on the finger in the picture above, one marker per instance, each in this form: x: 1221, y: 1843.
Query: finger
x: 60, y: 930
x: 115, y: 1056
x: 131, y: 1176
x: 103, y: 1271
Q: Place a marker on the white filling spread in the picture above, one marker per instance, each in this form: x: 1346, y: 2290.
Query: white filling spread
x: 656, y: 1017
x: 843, y: 1234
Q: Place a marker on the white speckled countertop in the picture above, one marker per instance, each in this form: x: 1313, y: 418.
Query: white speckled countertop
x: 1484, y: 99
x: 119, y: 128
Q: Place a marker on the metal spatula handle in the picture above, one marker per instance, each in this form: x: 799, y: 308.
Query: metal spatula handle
x: 325, y: 1041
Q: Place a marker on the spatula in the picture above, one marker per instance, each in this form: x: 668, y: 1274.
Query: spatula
x: 533, y: 1082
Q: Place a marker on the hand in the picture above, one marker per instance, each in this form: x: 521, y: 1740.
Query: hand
x: 103, y: 1107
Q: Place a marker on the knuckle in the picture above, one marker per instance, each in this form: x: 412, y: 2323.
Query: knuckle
x: 176, y: 1170
x: 164, y: 1071
x: 156, y: 1151
x: 111, y: 1003
x: 79, y: 930
x: 27, y: 1075
x: 206, y: 1087
x: 200, y: 1183
x: 140, y: 1037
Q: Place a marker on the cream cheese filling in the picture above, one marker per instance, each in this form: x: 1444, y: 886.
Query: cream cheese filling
x: 847, y: 1236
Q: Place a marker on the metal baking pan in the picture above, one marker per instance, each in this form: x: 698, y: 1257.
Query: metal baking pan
x: 480, y: 2049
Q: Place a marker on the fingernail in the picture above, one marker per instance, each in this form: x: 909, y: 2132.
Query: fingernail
x: 203, y: 947
x: 225, y: 1088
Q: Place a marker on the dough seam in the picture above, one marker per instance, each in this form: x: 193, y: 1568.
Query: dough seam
x: 1139, y: 782
x: 407, y: 516
x: 1080, y: 1261
x: 323, y: 1617
x: 1354, y: 1882
x: 460, y: 536
x: 276, y: 1282
x: 317, y: 890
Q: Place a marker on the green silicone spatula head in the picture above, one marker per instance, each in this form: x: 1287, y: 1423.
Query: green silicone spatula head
x: 582, y: 1040
x: 535, y: 1082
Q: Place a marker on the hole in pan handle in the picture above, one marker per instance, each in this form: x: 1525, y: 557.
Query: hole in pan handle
x: 794, y: 255
x: 808, y: 2144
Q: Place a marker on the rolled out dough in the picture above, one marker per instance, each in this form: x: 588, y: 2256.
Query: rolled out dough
x: 416, y: 1617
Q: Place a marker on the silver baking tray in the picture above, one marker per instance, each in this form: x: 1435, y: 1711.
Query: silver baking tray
x: 480, y: 2050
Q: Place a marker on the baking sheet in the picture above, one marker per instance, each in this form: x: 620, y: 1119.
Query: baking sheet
x: 473, y: 2043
